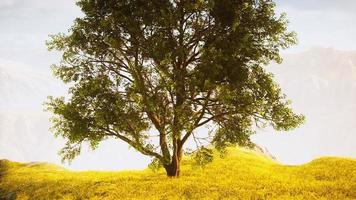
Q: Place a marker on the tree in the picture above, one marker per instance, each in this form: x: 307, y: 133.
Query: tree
x: 151, y: 72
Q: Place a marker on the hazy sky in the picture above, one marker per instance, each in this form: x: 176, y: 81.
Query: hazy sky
x: 26, y: 24
x: 327, y: 23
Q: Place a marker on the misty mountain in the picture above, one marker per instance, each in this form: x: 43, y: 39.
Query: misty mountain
x: 321, y: 83
x: 25, y: 87
x: 324, y: 75
x: 23, y: 124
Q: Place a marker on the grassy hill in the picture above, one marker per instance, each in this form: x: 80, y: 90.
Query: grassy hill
x: 242, y: 174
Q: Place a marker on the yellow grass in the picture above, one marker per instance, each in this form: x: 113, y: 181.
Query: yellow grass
x: 242, y: 174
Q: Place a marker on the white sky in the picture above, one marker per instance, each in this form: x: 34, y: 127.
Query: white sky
x: 26, y: 24
x: 326, y: 23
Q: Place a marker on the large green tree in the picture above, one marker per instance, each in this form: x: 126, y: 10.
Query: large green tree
x: 151, y: 72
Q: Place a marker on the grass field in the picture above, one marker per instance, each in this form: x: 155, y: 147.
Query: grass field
x: 242, y: 174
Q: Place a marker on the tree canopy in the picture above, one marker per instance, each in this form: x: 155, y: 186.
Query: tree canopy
x: 150, y: 73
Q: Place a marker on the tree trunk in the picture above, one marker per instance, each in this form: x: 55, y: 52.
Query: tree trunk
x: 173, y: 169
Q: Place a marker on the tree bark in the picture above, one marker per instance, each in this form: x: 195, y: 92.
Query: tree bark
x: 173, y: 169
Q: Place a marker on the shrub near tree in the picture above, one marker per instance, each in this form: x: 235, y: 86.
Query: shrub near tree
x: 172, y: 66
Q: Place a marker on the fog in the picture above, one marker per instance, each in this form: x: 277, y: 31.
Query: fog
x: 321, y: 83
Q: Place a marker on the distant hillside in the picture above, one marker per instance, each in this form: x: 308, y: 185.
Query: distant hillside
x: 241, y: 174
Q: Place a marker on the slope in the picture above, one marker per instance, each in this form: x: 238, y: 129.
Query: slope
x: 241, y: 174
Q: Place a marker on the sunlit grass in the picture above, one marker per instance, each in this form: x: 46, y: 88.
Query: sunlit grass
x: 242, y: 174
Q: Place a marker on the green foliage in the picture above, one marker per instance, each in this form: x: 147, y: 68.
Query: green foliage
x: 203, y: 156
x: 155, y: 165
x: 242, y: 174
x: 172, y: 66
